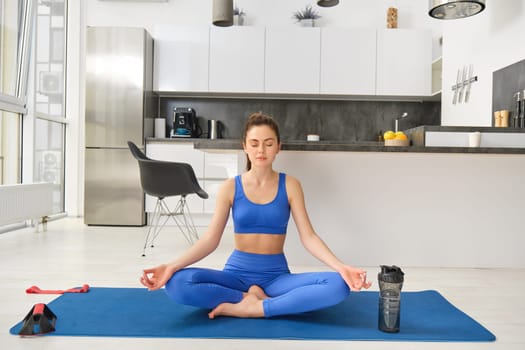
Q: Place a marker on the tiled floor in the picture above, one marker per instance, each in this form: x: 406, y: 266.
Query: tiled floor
x: 70, y: 254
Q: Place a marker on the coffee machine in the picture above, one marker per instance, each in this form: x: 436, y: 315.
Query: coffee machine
x: 185, y: 123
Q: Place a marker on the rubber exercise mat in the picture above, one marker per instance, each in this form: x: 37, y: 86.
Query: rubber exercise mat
x: 136, y: 312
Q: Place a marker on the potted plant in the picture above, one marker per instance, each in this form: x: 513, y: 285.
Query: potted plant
x: 238, y: 16
x: 306, y: 16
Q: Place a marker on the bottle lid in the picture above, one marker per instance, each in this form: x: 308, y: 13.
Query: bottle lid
x: 391, y: 274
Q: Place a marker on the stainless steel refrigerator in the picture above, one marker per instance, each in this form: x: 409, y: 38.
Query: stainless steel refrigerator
x: 120, y: 107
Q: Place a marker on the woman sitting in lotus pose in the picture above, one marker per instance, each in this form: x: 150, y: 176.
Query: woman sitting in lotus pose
x: 256, y: 281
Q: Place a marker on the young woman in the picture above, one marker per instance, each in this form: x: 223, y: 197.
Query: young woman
x: 256, y: 281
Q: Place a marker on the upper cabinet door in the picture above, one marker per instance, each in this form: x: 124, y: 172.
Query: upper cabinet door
x: 348, y: 61
x: 237, y: 59
x: 292, y: 60
x: 404, y: 62
x: 181, y: 59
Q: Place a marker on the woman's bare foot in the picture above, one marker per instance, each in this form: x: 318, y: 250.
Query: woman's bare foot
x: 250, y: 306
x: 258, y: 292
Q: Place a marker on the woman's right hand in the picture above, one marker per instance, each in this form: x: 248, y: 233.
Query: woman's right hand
x: 156, y: 277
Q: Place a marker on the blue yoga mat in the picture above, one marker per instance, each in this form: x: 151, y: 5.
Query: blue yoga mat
x: 135, y: 312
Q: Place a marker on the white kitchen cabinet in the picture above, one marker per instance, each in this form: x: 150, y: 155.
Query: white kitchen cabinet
x: 221, y: 165
x: 217, y: 168
x: 181, y: 59
x: 348, y: 61
x: 292, y: 60
x: 404, y: 62
x: 237, y: 59
x: 178, y: 152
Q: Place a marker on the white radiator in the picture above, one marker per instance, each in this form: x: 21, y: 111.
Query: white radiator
x: 22, y: 202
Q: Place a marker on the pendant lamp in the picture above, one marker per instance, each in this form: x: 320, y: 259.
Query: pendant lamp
x: 222, y: 13
x: 327, y: 3
x: 447, y: 9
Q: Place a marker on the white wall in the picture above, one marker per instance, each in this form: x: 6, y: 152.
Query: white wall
x: 349, y: 13
x: 490, y: 41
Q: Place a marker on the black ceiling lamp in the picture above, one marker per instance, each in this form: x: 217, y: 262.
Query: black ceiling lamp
x: 327, y: 3
x: 447, y: 9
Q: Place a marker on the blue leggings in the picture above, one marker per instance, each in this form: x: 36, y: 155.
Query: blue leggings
x: 288, y: 293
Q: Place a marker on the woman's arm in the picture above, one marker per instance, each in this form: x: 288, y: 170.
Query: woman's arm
x: 156, y: 277
x: 355, y: 278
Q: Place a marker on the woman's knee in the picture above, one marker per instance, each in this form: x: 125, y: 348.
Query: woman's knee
x: 339, y: 288
x: 179, y: 285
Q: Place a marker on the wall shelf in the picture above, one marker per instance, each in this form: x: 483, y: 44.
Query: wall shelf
x: 437, y: 68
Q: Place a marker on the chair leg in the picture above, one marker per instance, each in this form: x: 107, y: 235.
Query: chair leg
x: 181, y: 216
x: 163, y: 211
x: 188, y: 221
x: 154, y: 228
x: 187, y: 231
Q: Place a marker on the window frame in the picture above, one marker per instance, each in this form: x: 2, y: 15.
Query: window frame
x: 18, y: 103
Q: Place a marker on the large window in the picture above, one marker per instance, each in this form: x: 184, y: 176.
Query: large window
x: 9, y: 35
x: 49, y: 97
x: 10, y: 148
x: 49, y: 158
x: 40, y: 106
x: 50, y: 59
x: 15, y: 28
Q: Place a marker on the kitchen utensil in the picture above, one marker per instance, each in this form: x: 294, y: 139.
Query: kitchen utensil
x: 396, y: 124
x: 185, y: 123
x: 214, y: 129
x: 456, y: 88
x: 504, y: 118
x: 469, y: 82
x: 160, y: 128
x: 497, y: 119
x: 463, y: 84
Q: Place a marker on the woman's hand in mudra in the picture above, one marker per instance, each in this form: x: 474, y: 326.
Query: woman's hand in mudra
x: 355, y: 278
x: 156, y: 277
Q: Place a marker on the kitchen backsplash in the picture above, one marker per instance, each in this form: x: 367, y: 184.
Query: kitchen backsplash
x: 505, y: 83
x: 332, y: 120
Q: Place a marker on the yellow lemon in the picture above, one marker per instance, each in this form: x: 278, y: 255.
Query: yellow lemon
x: 389, y: 135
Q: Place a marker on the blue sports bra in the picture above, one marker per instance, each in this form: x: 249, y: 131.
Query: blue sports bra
x: 272, y: 217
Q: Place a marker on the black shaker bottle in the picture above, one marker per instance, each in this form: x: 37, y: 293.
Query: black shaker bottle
x: 390, y: 283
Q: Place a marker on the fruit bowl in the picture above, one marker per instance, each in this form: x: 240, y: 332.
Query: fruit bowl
x: 399, y: 143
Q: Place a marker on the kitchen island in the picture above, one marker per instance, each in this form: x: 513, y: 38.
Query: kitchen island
x: 410, y: 206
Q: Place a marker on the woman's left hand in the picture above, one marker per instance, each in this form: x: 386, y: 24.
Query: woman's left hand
x: 355, y: 278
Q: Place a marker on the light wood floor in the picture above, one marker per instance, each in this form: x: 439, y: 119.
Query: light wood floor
x: 70, y: 254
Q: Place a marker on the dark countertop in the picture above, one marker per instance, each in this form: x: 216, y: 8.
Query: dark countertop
x: 466, y: 129
x: 417, y: 136
x: 339, y: 146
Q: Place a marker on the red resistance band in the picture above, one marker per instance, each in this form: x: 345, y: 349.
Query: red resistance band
x: 36, y: 290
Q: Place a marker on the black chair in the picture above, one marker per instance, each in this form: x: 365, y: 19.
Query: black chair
x: 163, y: 179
